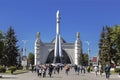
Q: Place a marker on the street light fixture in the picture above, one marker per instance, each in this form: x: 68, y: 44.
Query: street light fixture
x: 24, y: 57
x: 24, y: 47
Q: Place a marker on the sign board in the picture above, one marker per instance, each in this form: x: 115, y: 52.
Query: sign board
x: 95, y: 61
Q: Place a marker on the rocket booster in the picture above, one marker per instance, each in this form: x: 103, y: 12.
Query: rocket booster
x: 58, y: 48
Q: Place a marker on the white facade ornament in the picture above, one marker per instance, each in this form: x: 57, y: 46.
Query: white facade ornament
x: 77, y: 48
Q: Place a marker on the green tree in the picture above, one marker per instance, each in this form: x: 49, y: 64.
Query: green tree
x: 101, y: 47
x: 31, y: 58
x: 84, y: 59
x: 109, y: 45
x: 116, y: 43
x: 116, y: 37
x: 11, y: 50
x: 106, y: 49
x: 1, y: 47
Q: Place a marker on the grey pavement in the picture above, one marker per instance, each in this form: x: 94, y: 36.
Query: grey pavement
x: 62, y: 76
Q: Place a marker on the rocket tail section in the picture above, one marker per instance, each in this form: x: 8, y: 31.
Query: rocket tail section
x: 60, y: 48
x: 55, y: 51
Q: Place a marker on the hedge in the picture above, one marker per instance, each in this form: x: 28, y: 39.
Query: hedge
x: 2, y: 69
x: 12, y: 69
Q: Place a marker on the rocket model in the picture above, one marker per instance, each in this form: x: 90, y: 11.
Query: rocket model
x: 58, y: 48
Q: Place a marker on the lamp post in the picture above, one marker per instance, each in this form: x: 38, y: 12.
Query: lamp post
x: 88, y: 43
x: 24, y: 57
x: 24, y: 47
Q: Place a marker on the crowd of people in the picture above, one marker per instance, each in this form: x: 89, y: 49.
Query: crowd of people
x: 107, y: 71
x: 42, y: 70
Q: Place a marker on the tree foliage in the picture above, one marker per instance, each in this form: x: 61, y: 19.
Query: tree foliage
x: 11, y: 49
x: 116, y: 43
x: 1, y: 47
x: 84, y: 59
x: 31, y: 58
x: 109, y: 45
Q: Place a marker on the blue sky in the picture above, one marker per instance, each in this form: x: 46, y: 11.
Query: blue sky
x: 28, y: 17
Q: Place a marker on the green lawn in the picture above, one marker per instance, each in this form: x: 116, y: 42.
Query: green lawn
x: 20, y: 71
x: 16, y: 72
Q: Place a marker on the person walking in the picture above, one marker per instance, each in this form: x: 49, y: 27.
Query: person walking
x: 58, y: 69
x: 84, y: 69
x: 67, y: 68
x: 100, y: 70
x: 75, y: 67
x: 44, y: 68
x: 96, y: 70
x: 32, y: 68
x: 50, y: 70
x: 107, y: 71
x: 40, y: 72
x: 81, y: 68
x: 78, y: 69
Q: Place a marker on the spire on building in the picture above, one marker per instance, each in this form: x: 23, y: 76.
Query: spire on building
x: 77, y: 48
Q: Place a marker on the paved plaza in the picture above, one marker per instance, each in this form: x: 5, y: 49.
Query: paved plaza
x: 62, y: 76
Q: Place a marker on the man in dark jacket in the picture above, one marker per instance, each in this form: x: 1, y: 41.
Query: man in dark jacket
x: 107, y: 71
x: 50, y: 70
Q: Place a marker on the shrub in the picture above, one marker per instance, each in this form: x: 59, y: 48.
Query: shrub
x: 12, y: 69
x: 88, y: 69
x: 117, y: 70
x: 19, y: 68
x: 2, y: 69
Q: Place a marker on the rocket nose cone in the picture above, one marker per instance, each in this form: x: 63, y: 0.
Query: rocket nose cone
x: 57, y: 11
x: 58, y: 14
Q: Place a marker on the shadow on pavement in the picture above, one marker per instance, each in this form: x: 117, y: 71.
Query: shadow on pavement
x: 52, y: 77
x: 9, y: 78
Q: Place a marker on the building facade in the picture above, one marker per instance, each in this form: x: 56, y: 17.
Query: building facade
x: 69, y: 52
